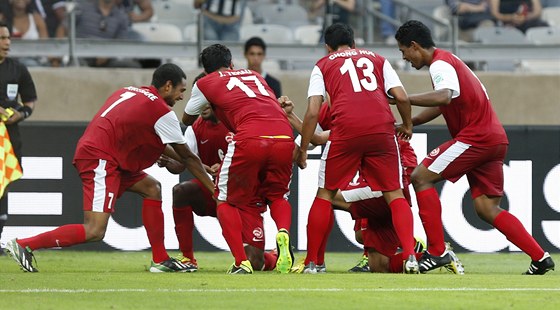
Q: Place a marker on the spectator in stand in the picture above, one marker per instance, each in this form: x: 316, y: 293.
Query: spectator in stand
x: 255, y: 52
x: 388, y: 29
x: 139, y: 11
x: 339, y: 10
x: 472, y: 14
x: 27, y: 24
x: 521, y: 14
x: 53, y: 12
x: 221, y: 18
x: 102, y: 19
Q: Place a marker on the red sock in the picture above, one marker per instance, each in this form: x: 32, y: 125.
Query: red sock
x: 514, y: 231
x: 323, y: 248
x: 269, y: 261
x: 281, y: 213
x: 63, y: 236
x: 231, y: 224
x: 403, y: 224
x: 430, y: 213
x: 396, y: 262
x: 184, y: 225
x: 152, y: 216
x: 317, y: 227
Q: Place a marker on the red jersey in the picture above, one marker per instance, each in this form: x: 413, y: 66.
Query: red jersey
x: 324, y: 119
x: 131, y: 129
x: 470, y: 117
x: 242, y: 101
x: 209, y: 140
x: 357, y: 81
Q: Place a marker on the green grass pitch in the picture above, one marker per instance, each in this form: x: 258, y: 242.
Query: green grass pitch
x: 118, y: 280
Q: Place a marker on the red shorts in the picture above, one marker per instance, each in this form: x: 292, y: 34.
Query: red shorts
x: 253, y: 227
x: 376, y: 156
x: 103, y: 183
x: 379, y: 234
x: 482, y: 165
x: 252, y: 165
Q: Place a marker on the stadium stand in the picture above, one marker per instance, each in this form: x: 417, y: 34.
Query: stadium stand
x: 159, y: 32
x: 308, y: 34
x: 551, y: 15
x: 274, y: 34
x: 176, y: 12
x: 290, y: 15
x: 544, y: 35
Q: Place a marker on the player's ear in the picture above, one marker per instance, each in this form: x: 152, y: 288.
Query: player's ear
x: 231, y: 65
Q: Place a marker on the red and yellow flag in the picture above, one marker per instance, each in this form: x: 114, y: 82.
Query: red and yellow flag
x: 10, y: 170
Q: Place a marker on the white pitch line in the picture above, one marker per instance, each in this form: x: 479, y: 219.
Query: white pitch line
x: 272, y: 290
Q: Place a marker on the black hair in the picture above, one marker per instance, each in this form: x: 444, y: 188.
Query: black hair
x: 255, y: 41
x: 3, y: 24
x: 339, y: 34
x: 168, y: 72
x: 416, y: 31
x: 214, y: 57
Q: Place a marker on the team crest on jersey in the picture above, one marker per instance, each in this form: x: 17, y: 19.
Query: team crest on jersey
x: 438, y: 79
x: 434, y: 152
x: 258, y: 233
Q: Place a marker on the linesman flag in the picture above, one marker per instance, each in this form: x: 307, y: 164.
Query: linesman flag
x: 10, y: 170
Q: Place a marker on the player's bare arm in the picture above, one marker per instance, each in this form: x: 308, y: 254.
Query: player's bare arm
x: 319, y: 137
x: 404, y: 131
x: 426, y: 115
x: 193, y: 164
x: 188, y: 119
x: 308, y: 127
x: 432, y: 98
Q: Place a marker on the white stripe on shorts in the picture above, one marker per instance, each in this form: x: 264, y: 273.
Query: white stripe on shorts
x: 99, y: 186
x: 224, y: 171
x: 361, y: 193
x: 323, y: 163
x: 448, y: 156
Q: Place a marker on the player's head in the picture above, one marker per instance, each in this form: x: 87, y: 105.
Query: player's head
x: 171, y: 82
x: 5, y: 41
x: 255, y: 51
x: 414, y: 40
x: 215, y: 57
x: 337, y: 35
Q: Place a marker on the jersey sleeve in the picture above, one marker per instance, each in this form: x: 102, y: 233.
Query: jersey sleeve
x: 27, y: 90
x: 391, y: 78
x: 190, y: 137
x: 168, y: 129
x: 316, y: 83
x: 197, y: 102
x: 444, y: 76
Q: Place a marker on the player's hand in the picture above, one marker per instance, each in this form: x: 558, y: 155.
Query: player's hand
x: 162, y: 161
x: 214, y: 170
x: 286, y: 104
x: 403, y: 132
x: 301, y: 159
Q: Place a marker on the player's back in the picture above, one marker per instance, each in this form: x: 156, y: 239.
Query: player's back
x: 470, y: 116
x: 123, y: 129
x: 355, y: 81
x: 243, y: 101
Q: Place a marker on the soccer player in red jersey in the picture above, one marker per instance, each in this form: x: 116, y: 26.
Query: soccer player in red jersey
x: 362, y: 136
x: 128, y: 134
x: 258, y: 160
x: 477, y: 148
x: 208, y: 138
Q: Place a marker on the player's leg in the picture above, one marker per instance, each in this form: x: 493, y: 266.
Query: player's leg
x: 100, y: 183
x: 188, y: 197
x: 276, y: 182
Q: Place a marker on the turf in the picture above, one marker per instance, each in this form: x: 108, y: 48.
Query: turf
x: 118, y: 280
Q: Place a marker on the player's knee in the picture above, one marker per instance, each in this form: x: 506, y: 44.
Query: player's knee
x: 154, y: 190
x: 94, y: 232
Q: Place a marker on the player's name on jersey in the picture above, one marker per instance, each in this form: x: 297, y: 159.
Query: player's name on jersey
x: 234, y: 73
x: 142, y: 91
x: 348, y: 53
